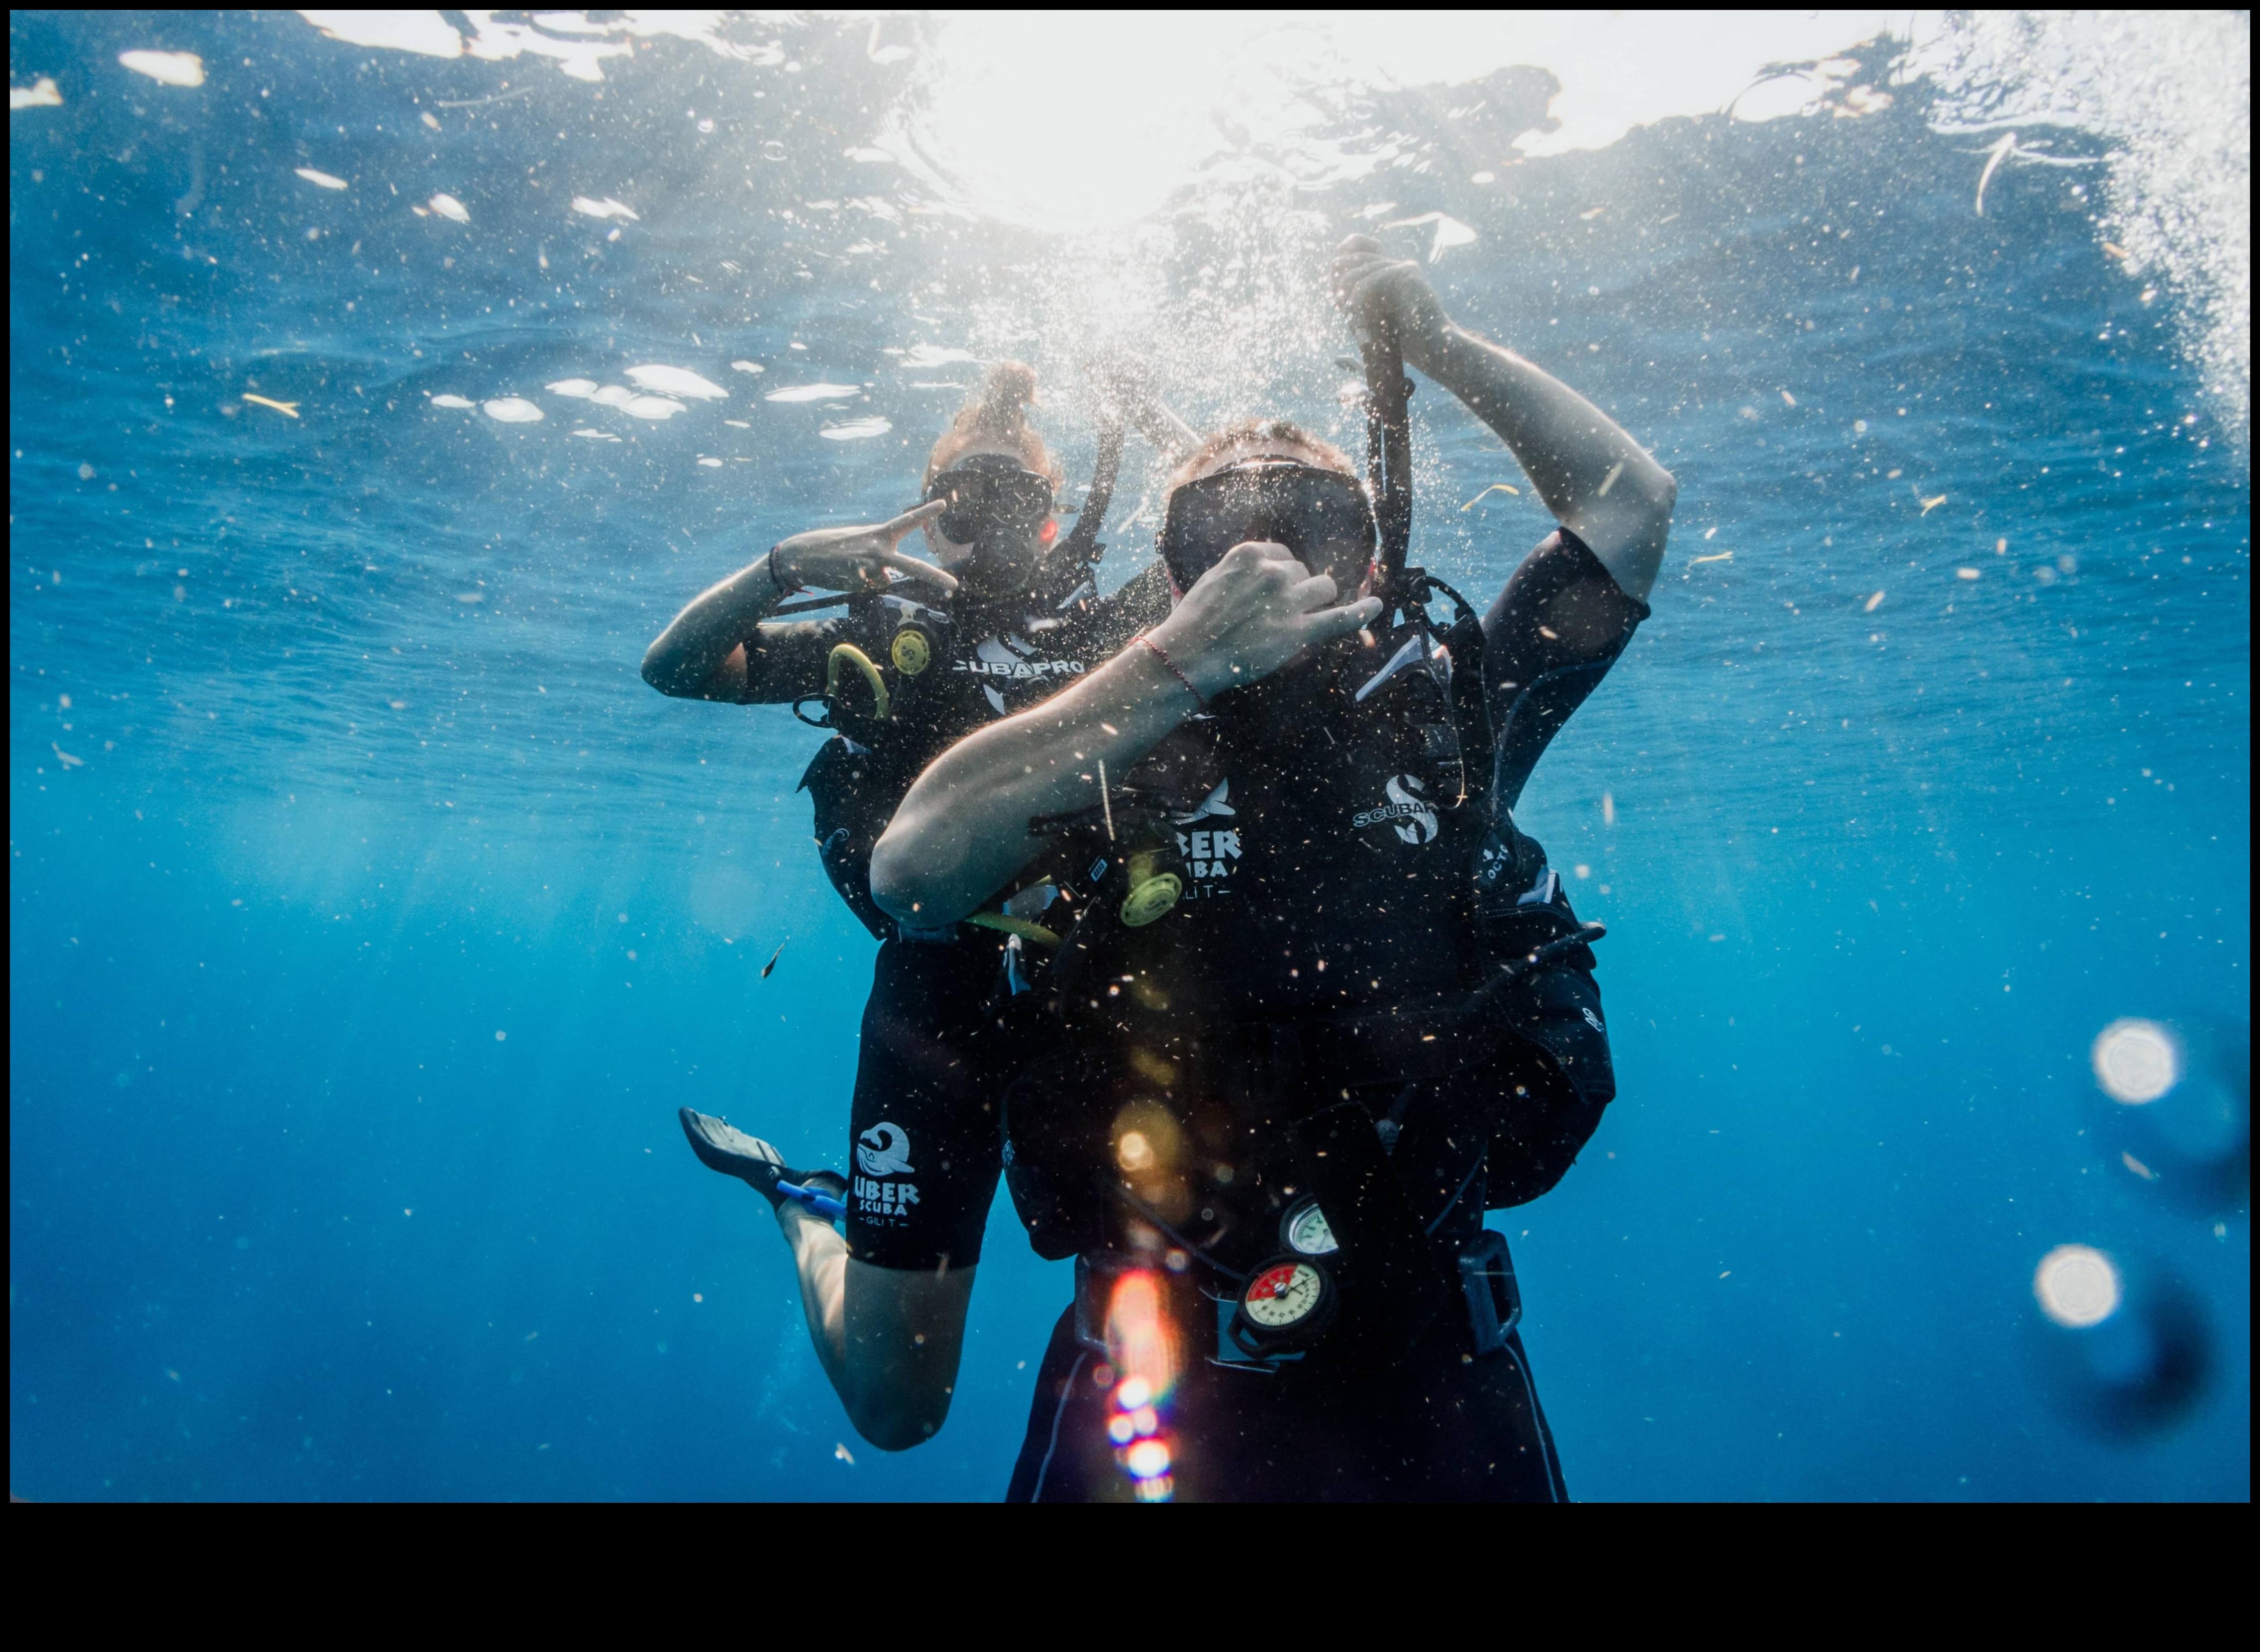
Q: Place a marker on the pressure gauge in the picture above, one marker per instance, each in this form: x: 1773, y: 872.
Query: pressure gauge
x: 1305, y: 1230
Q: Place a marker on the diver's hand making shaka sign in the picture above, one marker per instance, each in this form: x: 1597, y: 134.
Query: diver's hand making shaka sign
x: 853, y: 559
x: 1249, y: 614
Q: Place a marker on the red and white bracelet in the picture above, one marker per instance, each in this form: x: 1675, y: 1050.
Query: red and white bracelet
x: 1198, y: 698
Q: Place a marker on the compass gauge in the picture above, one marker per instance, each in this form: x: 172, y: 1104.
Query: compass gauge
x: 1285, y: 1304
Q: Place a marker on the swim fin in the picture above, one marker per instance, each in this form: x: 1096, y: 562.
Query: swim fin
x: 721, y: 1146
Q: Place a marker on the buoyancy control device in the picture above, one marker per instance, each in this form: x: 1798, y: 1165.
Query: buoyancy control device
x: 891, y: 716
x: 1229, y: 1140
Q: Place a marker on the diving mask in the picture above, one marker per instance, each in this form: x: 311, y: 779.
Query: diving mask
x: 1322, y: 515
x: 993, y: 499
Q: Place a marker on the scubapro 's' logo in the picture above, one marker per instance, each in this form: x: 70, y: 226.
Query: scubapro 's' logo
x: 1413, y: 817
x: 884, y: 1150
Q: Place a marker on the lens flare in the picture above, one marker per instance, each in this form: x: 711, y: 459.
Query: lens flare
x: 2137, y: 1061
x: 1142, y: 1345
x: 2120, y: 1348
x: 1148, y: 1459
x: 2077, y: 1286
x: 1139, y: 1340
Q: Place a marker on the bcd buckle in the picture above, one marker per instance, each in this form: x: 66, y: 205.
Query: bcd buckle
x: 1487, y: 1285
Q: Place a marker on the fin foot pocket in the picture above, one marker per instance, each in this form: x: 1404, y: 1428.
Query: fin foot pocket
x: 721, y: 1146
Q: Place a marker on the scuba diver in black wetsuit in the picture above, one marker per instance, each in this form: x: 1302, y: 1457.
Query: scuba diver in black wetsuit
x: 1011, y: 616
x: 1317, y: 1002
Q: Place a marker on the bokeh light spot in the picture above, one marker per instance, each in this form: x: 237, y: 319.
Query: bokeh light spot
x: 1148, y: 1459
x: 2137, y: 1061
x: 2077, y: 1286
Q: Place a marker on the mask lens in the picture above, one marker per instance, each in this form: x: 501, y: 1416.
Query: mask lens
x: 989, y: 496
x: 1321, y: 515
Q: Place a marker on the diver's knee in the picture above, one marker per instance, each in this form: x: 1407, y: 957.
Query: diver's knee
x: 891, y: 1426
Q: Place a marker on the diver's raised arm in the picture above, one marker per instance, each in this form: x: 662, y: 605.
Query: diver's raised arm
x: 1131, y: 385
x: 700, y: 655
x: 963, y: 831
x: 1597, y: 481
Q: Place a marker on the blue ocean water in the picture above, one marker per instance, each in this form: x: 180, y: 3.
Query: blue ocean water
x: 370, y: 918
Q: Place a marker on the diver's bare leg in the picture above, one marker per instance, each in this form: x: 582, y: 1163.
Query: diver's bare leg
x: 888, y: 1338
x: 819, y: 1256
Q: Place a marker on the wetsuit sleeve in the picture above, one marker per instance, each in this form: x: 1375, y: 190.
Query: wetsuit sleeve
x: 785, y: 659
x: 1549, y: 640
x: 927, y: 1116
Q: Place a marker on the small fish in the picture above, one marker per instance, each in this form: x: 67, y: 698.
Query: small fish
x: 841, y: 1451
x: 481, y: 102
x: 1610, y: 480
x: 288, y: 409
x: 2009, y: 149
x: 1873, y: 603
x: 1994, y: 157
x: 1929, y: 505
x: 1788, y: 398
x: 2114, y: 249
x: 1496, y: 488
x: 1722, y: 555
x: 771, y: 964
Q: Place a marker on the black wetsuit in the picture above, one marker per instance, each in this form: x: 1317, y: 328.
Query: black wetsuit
x: 927, y: 1139
x: 1351, y: 875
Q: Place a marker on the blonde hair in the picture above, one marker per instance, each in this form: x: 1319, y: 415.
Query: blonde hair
x: 997, y: 416
x: 1254, y: 432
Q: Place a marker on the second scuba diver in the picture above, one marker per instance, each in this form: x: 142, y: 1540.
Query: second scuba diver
x: 1316, y: 1002
x: 1011, y: 617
